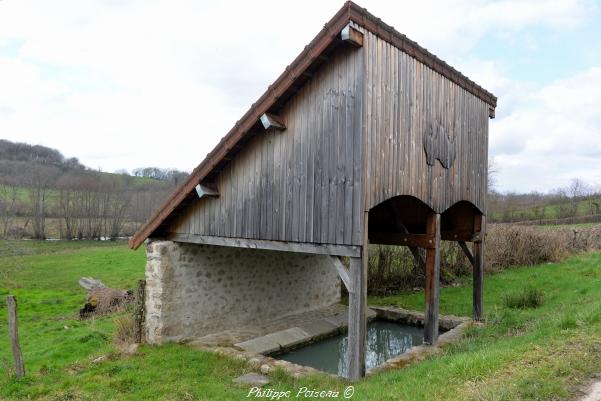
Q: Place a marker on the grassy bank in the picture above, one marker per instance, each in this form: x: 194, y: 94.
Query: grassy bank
x: 522, y: 353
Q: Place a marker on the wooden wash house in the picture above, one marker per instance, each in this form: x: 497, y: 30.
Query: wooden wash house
x: 366, y: 138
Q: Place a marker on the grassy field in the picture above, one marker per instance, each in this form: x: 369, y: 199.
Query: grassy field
x: 552, y: 211
x: 541, y: 353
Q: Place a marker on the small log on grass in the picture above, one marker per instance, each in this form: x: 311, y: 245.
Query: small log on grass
x: 13, y: 329
x: 139, y: 312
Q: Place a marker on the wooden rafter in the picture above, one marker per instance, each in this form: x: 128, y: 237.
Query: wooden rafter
x: 271, y: 121
x: 351, y: 35
x: 203, y: 190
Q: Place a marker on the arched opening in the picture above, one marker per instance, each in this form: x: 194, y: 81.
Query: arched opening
x: 460, y: 222
x: 406, y: 220
x: 402, y: 220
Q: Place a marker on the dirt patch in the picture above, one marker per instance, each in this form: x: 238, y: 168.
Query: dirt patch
x: 594, y: 393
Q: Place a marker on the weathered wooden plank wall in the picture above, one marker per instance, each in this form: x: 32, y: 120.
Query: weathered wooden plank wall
x: 302, y: 184
x: 403, y: 98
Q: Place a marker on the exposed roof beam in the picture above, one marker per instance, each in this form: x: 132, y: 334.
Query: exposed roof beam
x: 352, y: 36
x: 300, y: 247
x: 272, y: 121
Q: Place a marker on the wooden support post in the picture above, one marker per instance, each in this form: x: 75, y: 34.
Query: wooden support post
x: 343, y: 273
x: 432, y: 281
x: 139, y: 312
x: 467, y: 252
x: 357, y: 326
x: 13, y: 329
x: 419, y: 259
x: 478, y: 271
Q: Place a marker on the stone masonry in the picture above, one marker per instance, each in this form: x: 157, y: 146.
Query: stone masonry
x: 195, y: 290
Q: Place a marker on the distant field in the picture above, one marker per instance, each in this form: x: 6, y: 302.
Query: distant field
x: 547, y: 212
x: 543, y: 353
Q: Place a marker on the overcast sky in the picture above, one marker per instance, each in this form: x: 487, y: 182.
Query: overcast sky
x: 124, y: 84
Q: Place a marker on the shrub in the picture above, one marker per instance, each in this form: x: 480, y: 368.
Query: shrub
x: 528, y: 298
x: 392, y: 268
x: 125, y: 329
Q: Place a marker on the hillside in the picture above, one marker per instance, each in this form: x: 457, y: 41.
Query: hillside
x: 44, y: 194
x: 577, y: 203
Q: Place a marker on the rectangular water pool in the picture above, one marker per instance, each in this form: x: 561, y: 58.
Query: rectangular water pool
x: 385, y: 340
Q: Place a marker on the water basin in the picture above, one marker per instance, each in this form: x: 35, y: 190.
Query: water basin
x: 385, y: 340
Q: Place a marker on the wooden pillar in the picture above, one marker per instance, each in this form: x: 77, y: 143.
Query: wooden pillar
x: 432, y: 281
x: 478, y: 271
x: 357, y: 326
x: 357, y: 322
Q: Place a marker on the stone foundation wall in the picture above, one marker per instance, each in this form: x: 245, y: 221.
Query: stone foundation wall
x: 195, y: 290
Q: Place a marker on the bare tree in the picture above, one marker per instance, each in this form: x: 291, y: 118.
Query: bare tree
x: 39, y: 180
x: 8, y: 204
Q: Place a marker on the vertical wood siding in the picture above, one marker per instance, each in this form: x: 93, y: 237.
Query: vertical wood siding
x: 403, y: 98
x: 305, y: 184
x: 302, y: 184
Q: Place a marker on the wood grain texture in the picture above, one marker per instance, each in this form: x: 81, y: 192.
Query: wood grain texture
x: 13, y: 330
x: 357, y: 326
x: 299, y: 185
x: 320, y: 249
x: 432, y: 287
x: 478, y: 272
x: 355, y: 138
x: 409, y: 106
x: 344, y: 273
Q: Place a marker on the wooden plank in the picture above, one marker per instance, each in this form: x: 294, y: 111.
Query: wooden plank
x: 301, y: 247
x: 467, y: 253
x: 465, y: 236
x: 359, y: 139
x: 478, y: 273
x: 357, y: 327
x: 411, y: 240
x: 343, y: 272
x: 432, y: 281
x: 13, y: 330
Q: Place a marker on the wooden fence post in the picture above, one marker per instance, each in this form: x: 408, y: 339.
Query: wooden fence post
x: 139, y: 310
x: 13, y: 329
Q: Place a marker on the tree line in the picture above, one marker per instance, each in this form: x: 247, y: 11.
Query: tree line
x: 577, y: 199
x: 39, y: 185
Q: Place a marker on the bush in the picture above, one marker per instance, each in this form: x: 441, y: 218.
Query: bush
x: 528, y: 298
x: 392, y: 268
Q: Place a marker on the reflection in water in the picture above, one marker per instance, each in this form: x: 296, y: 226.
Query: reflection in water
x: 385, y: 340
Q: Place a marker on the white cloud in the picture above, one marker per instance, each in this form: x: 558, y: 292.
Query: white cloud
x: 552, y: 136
x: 123, y: 84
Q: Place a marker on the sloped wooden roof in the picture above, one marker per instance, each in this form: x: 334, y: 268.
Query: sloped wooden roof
x: 283, y: 88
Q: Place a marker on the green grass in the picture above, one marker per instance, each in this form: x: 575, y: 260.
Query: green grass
x: 550, y: 211
x: 526, y: 298
x: 541, y: 353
